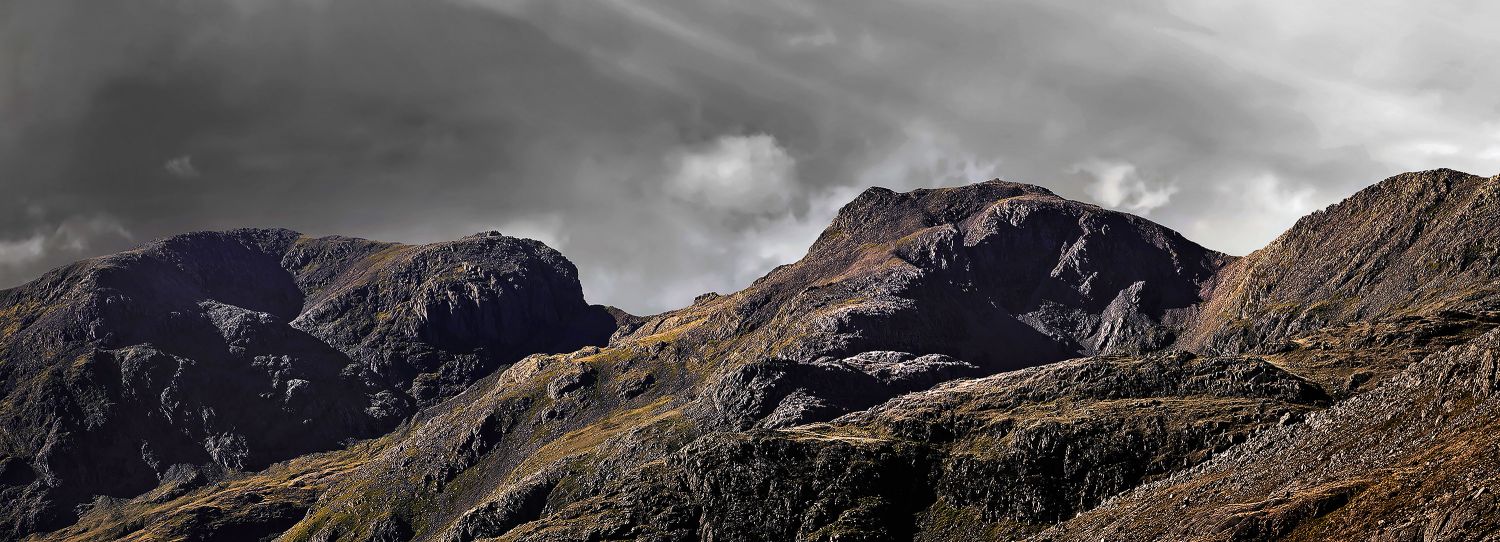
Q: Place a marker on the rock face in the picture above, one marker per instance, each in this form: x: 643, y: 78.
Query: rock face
x: 781, y: 393
x: 1416, y: 459
x: 994, y: 458
x: 998, y: 274
x: 981, y: 362
x: 237, y: 349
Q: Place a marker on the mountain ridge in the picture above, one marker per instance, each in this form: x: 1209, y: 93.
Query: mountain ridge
x: 874, y: 351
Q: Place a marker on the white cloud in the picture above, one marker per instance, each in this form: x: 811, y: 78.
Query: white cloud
x: 745, y: 173
x: 1252, y: 212
x: 1436, y: 148
x: 1118, y: 185
x: 182, y: 167
x: 927, y: 157
x: 1491, y: 144
x: 22, y: 251
x: 737, y: 255
x: 1269, y: 193
x: 785, y: 238
x: 549, y: 228
x: 74, y: 235
x: 812, y: 40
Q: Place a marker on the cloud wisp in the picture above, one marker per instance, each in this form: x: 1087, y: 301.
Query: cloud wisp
x: 743, y: 174
x: 1117, y: 184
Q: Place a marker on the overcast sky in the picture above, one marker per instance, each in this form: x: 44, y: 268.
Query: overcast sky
x: 671, y: 148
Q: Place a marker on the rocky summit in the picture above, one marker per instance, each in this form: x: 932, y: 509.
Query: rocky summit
x: 231, y: 351
x: 990, y: 362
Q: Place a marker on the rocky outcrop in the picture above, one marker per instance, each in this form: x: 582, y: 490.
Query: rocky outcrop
x: 780, y: 393
x: 1415, y: 459
x: 995, y: 457
x: 433, y: 318
x: 233, y: 350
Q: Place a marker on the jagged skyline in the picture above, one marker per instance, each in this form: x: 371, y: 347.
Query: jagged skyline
x: 672, y: 148
x: 932, y: 370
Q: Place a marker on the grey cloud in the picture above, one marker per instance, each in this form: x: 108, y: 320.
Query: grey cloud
x: 570, y: 121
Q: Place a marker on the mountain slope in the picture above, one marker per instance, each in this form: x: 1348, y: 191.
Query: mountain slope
x: 234, y: 350
x: 904, y: 380
x: 1413, y: 243
x: 976, y: 279
x: 1001, y: 457
x: 1416, y: 459
x: 1410, y: 459
x: 993, y: 458
x: 962, y: 476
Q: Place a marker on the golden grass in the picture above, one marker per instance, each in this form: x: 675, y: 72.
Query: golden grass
x: 588, y: 438
x: 157, y: 517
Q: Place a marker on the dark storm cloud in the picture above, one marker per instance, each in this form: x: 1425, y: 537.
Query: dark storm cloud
x: 671, y: 148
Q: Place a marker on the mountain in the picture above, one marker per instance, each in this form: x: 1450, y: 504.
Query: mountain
x: 900, y: 292
x: 989, y: 361
x: 1411, y: 244
x: 235, y: 350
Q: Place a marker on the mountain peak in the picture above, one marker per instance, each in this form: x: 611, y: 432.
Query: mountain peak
x: 929, y: 205
x: 1004, y: 262
x: 239, y: 348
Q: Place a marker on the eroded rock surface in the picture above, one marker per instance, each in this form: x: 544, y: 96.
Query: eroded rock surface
x: 233, y: 350
x: 1416, y: 459
x: 996, y: 457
